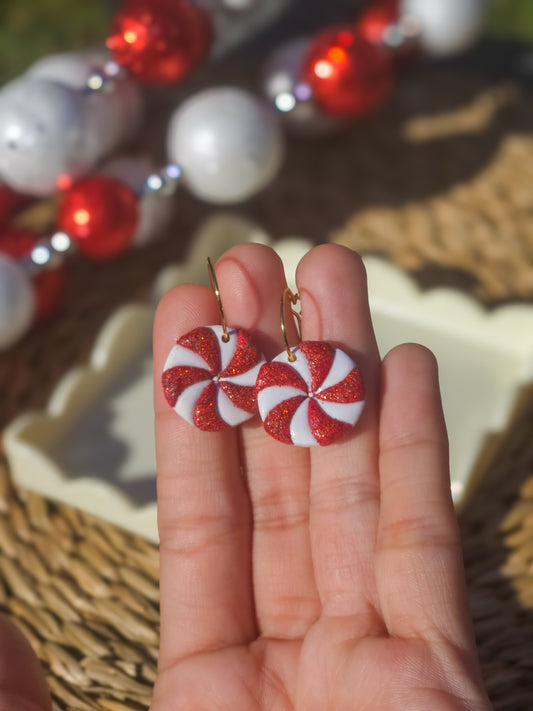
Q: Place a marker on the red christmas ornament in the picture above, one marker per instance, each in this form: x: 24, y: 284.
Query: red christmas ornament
x: 100, y: 214
x: 348, y: 75
x: 160, y: 41
x: 374, y: 23
x: 49, y: 284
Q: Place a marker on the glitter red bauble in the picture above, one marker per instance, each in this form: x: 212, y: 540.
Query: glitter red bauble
x: 49, y: 283
x: 375, y: 20
x: 349, y: 76
x: 160, y: 41
x: 100, y: 214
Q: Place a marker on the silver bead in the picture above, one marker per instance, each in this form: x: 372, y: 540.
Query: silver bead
x: 446, y: 27
x: 227, y: 143
x: 293, y: 100
x: 41, y: 255
x: 49, y: 252
x: 16, y: 301
x: 61, y: 242
x: 164, y: 182
x: 156, y: 206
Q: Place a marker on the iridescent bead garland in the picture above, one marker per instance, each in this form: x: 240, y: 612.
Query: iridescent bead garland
x: 224, y: 144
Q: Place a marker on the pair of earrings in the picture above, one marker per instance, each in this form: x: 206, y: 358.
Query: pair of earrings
x: 215, y: 377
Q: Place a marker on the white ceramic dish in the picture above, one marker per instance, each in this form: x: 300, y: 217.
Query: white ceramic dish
x: 93, y: 446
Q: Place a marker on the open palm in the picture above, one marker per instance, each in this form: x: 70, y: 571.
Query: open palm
x: 310, y: 580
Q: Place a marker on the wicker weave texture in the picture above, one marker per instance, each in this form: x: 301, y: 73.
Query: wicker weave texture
x: 86, y: 595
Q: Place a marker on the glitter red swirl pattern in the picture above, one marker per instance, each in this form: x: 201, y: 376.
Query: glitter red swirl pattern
x: 315, y: 400
x: 210, y: 382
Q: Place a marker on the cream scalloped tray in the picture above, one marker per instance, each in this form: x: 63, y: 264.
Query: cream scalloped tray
x: 93, y: 446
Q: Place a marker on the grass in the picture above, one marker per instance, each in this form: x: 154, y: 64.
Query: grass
x: 511, y: 19
x: 30, y: 29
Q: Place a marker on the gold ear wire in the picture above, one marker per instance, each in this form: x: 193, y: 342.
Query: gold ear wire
x: 214, y: 286
x: 293, y: 300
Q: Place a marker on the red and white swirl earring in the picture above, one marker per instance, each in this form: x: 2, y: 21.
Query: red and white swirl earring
x: 210, y: 374
x: 310, y: 394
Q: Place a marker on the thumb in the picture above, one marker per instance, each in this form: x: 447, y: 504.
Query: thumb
x: 22, y: 681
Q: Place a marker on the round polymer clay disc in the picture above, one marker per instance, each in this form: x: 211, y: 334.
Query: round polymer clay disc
x: 210, y: 383
x: 315, y: 400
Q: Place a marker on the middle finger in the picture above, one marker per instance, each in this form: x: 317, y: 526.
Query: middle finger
x: 344, y: 493
x: 286, y: 598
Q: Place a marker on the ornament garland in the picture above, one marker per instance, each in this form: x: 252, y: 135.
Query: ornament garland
x: 70, y: 112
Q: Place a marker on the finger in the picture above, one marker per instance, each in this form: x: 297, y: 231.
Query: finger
x: 22, y: 682
x: 419, y: 565
x: 344, y: 483
x: 203, y: 509
x: 286, y: 600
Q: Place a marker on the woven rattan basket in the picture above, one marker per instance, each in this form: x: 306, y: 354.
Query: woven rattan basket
x: 441, y: 184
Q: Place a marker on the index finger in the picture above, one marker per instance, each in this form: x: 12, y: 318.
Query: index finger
x: 344, y: 481
x: 203, y: 512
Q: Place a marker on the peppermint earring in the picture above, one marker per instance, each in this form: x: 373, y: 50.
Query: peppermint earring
x: 209, y: 376
x: 310, y: 394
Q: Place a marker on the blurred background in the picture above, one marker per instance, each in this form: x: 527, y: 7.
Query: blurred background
x: 438, y: 181
x: 29, y: 29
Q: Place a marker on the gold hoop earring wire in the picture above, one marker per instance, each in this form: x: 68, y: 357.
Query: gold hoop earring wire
x: 214, y: 286
x: 293, y: 300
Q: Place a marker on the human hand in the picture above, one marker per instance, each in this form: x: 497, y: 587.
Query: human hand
x: 22, y: 681
x: 310, y: 580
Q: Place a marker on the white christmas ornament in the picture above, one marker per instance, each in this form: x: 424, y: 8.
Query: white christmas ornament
x: 112, y: 114
x: 227, y: 143
x: 70, y: 68
x: 239, y: 5
x: 210, y: 382
x: 42, y: 135
x: 446, y: 27
x: 54, y: 129
x: 315, y: 400
x: 16, y: 302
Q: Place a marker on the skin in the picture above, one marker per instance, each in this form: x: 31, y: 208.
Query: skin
x: 22, y: 682
x: 328, y: 579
